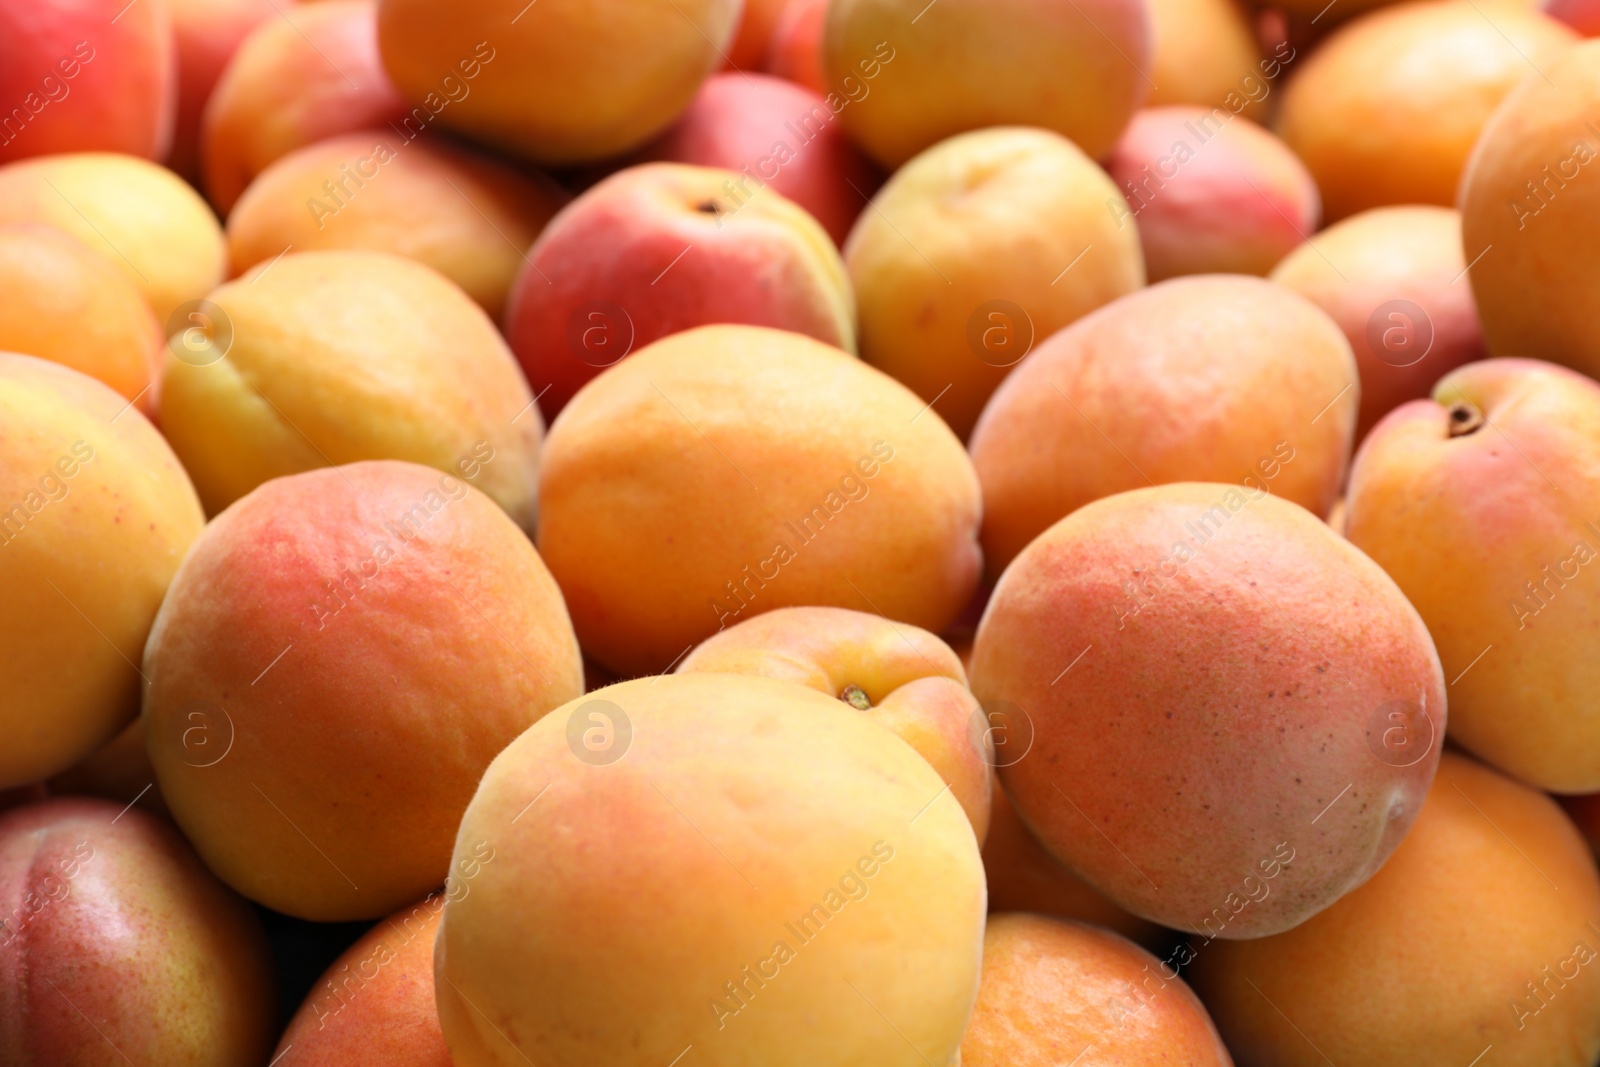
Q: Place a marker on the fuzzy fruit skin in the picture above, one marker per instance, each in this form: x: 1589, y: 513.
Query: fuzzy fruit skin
x: 86, y: 75
x: 661, y: 248
x: 67, y: 303
x: 373, y: 1007
x: 466, y: 215
x: 1249, y: 671
x: 1490, y: 534
x: 914, y: 683
x: 913, y: 78
x: 342, y: 356
x: 1053, y: 989
x: 140, y: 216
x: 314, y: 73
x: 1400, y: 972
x: 531, y: 92
x: 964, y: 237
x: 1360, y: 269
x: 1536, y: 280
x: 96, y: 515
x: 804, y: 802
x: 1206, y: 378
x: 1387, y: 110
x: 119, y: 947
x: 653, y: 523
x: 415, y: 632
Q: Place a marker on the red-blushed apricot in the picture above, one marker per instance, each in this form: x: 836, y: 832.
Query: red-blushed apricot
x: 1581, y: 15
x: 904, y: 77
x: 901, y: 677
x: 1205, y: 53
x: 141, y: 217
x: 776, y: 134
x: 657, y: 249
x: 86, y: 76
x: 1478, y: 503
x: 783, y: 881
x: 1215, y: 377
x: 1394, y: 279
x: 754, y: 30
x: 310, y: 74
x: 567, y: 81
x: 1023, y: 876
x: 1387, y: 109
x: 117, y: 946
x: 1528, y: 212
x: 469, y: 217
x: 1212, y: 192
x: 729, y: 470
x: 67, y: 303
x: 339, y: 658
x: 322, y: 358
x: 1056, y: 991
x: 95, y: 516
x: 795, y: 50
x: 1235, y: 714
x: 206, y: 34
x: 977, y: 249
x: 1477, y: 939
x: 373, y: 1007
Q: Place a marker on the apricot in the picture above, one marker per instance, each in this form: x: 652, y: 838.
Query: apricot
x: 1023, y: 876
x: 749, y: 44
x: 1528, y: 216
x: 1219, y: 378
x: 467, y: 216
x: 567, y: 81
x: 1581, y: 15
x: 90, y: 75
x: 1205, y: 53
x: 339, y: 658
x: 1212, y: 192
x: 322, y: 358
x: 206, y: 33
x: 795, y: 50
x: 311, y: 74
x: 373, y: 1007
x: 836, y: 904
x: 976, y: 250
x: 1387, y: 109
x: 117, y: 946
x: 907, y: 76
x: 1233, y: 723
x: 1394, y: 279
x: 778, y: 135
x: 141, y: 217
x: 1053, y: 991
x: 1477, y: 503
x: 95, y: 516
x: 901, y: 677
x: 67, y: 303
x: 729, y: 470
x: 661, y: 248
x: 1478, y: 933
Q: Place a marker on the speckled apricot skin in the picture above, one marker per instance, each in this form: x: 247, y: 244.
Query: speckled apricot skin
x: 1208, y: 678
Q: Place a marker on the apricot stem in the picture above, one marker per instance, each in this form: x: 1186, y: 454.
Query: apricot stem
x: 856, y: 697
x: 1465, y: 419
